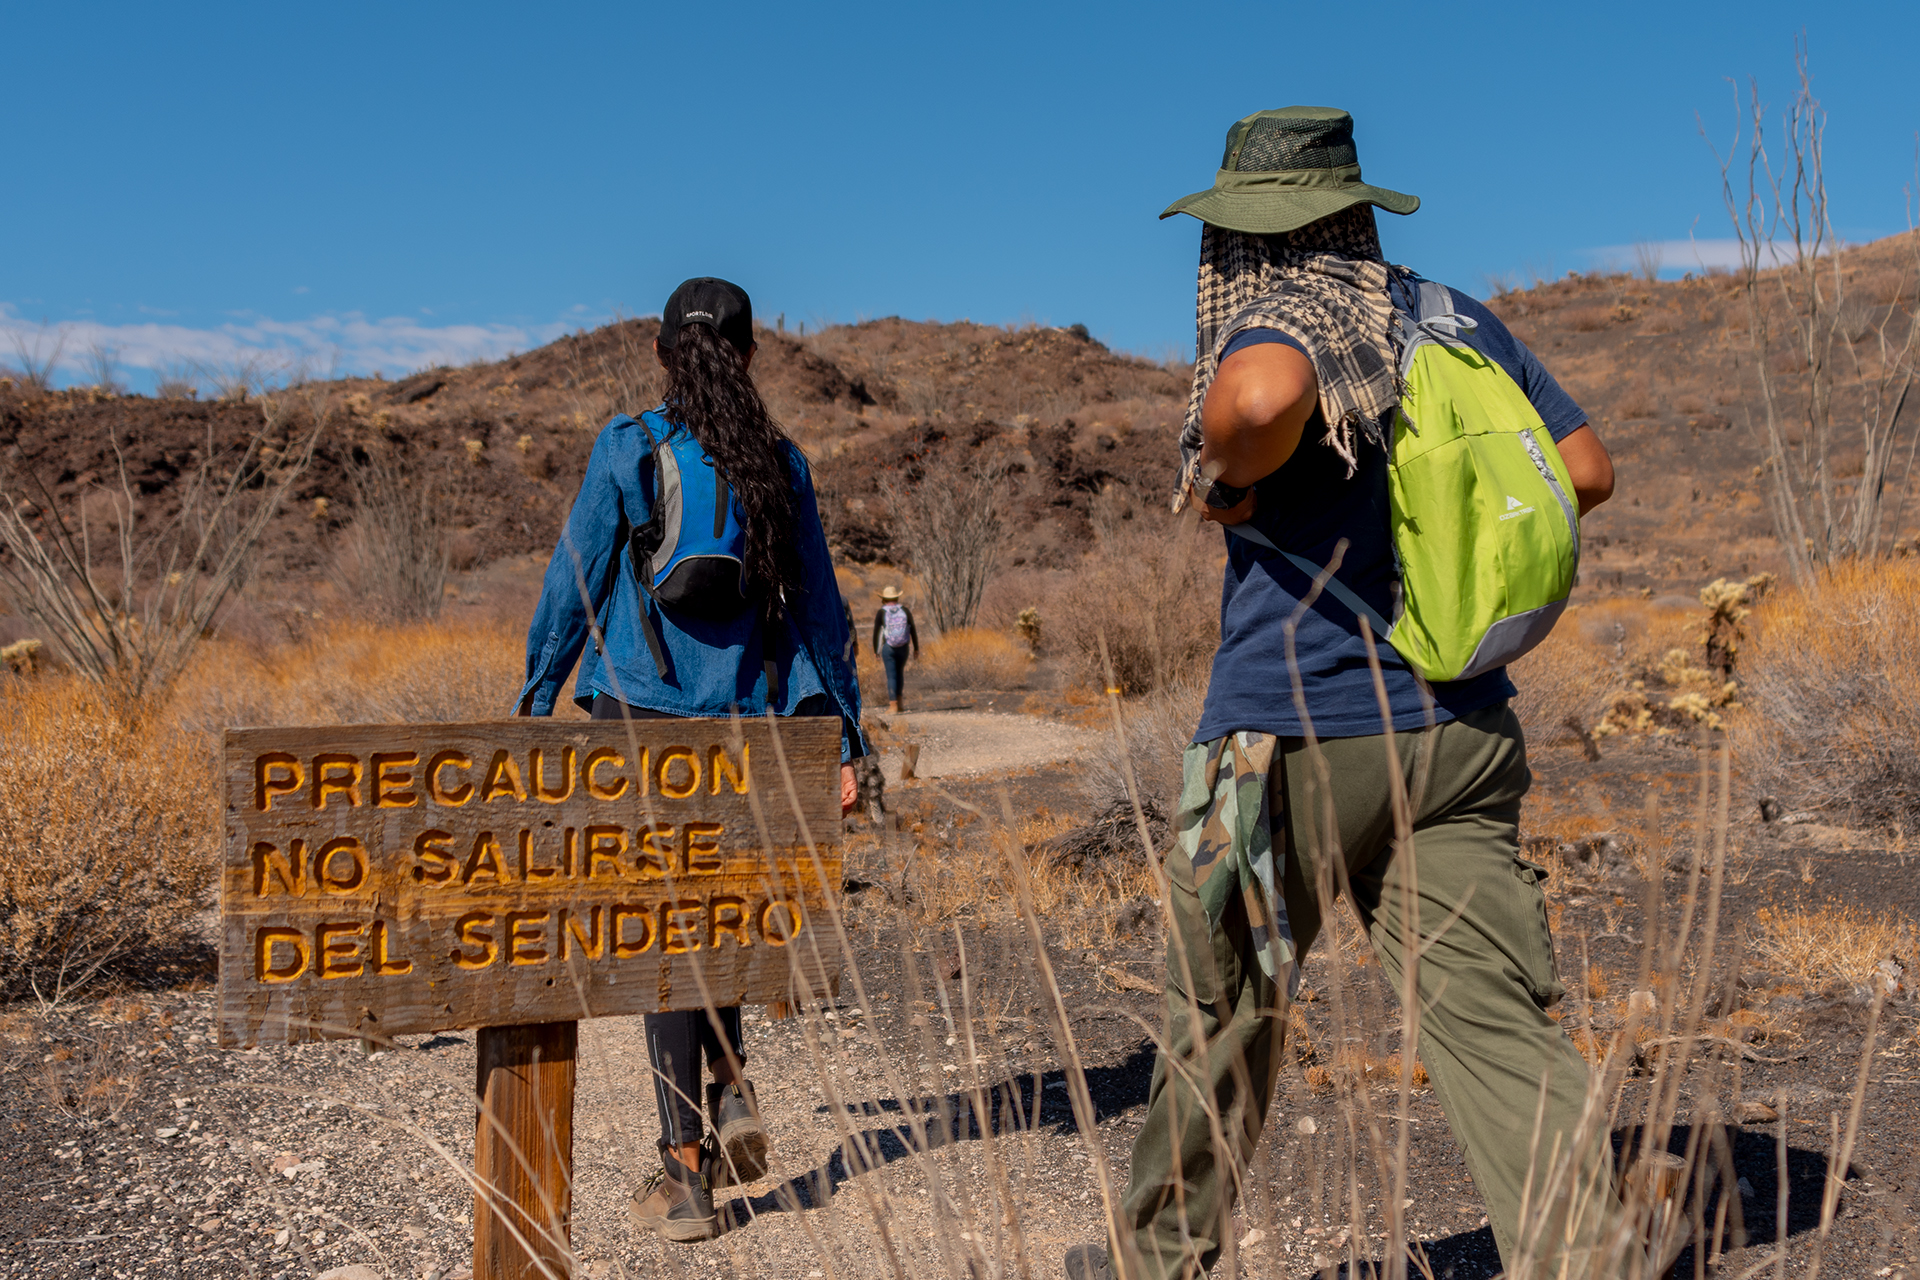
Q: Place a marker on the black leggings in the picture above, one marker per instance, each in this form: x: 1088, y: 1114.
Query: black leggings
x: 675, y: 1044
x: 677, y: 1041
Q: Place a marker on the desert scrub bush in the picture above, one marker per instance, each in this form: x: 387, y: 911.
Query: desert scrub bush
x: 1157, y: 729
x: 970, y: 658
x: 1832, y: 942
x: 1833, y: 677
x: 108, y: 835
x: 949, y: 519
x: 394, y: 558
x: 1151, y: 587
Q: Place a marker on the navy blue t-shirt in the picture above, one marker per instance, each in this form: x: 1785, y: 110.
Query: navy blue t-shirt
x: 1307, y: 506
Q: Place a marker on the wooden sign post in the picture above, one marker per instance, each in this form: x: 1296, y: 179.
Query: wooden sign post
x: 516, y: 877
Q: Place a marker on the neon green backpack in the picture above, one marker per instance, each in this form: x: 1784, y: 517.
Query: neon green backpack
x: 1485, y: 532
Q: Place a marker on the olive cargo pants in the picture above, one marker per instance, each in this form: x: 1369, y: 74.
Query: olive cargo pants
x: 1485, y: 984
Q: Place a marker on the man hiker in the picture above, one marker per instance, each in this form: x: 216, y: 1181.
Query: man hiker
x: 1289, y: 789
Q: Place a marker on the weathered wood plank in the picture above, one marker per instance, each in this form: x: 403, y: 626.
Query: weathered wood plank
x: 384, y: 880
x: 523, y: 1151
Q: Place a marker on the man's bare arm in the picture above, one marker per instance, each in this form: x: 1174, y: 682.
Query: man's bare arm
x: 1253, y: 417
x: 1589, y: 466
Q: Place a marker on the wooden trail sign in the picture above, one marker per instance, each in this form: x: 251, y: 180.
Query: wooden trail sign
x: 517, y: 876
x: 381, y: 881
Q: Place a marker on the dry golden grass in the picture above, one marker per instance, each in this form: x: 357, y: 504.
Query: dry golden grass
x: 1564, y: 682
x: 1832, y: 942
x: 972, y: 658
x: 1834, y: 676
x: 1355, y: 1067
x: 108, y: 832
x: 358, y: 674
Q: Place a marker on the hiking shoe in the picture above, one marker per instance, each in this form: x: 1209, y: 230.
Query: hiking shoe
x: 1088, y: 1262
x: 677, y: 1202
x: 739, y: 1137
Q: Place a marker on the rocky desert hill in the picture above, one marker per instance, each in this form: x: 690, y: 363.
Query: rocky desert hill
x: 1662, y: 368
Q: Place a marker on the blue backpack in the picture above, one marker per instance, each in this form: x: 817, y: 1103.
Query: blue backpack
x: 690, y: 555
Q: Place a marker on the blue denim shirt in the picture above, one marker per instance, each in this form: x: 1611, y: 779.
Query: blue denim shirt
x: 713, y: 668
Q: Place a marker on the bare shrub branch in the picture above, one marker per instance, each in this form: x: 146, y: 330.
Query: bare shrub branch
x: 1647, y: 259
x: 127, y: 605
x: 619, y: 375
x: 1819, y: 360
x: 395, y: 559
x: 949, y: 524
x: 39, y: 357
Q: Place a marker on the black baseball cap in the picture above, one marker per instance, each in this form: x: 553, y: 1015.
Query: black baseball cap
x: 721, y: 306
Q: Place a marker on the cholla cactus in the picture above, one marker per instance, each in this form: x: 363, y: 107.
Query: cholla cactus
x: 1028, y: 628
x: 1722, y: 632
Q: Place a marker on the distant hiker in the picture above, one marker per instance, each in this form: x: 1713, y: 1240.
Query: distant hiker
x: 893, y: 638
x: 1298, y: 384
x: 733, y: 608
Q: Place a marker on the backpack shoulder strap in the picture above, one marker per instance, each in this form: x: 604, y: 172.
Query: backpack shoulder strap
x: 1433, y: 319
x: 641, y: 543
x: 1333, y: 586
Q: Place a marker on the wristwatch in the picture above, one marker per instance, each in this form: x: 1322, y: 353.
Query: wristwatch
x: 1225, y: 497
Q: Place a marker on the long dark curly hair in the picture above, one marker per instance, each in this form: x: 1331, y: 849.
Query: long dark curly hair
x: 711, y: 394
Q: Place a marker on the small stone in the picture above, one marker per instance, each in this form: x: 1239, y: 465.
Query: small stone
x: 285, y: 1161
x: 165, y: 1133
x: 1753, y: 1112
x: 1253, y: 1237
x: 281, y: 1237
x: 352, y: 1271
x: 1746, y: 1188
x: 1305, y: 1124
x: 414, y: 1231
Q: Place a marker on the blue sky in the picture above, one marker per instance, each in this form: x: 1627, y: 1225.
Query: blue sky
x: 390, y: 186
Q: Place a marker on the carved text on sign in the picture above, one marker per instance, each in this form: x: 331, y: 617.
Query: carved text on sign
x: 382, y: 880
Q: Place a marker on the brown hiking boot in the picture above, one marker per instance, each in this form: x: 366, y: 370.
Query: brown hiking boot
x: 740, y: 1140
x: 677, y: 1202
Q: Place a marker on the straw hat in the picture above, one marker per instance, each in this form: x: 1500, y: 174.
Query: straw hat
x: 889, y: 593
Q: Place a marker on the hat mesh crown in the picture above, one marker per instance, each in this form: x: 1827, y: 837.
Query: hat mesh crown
x: 1280, y: 143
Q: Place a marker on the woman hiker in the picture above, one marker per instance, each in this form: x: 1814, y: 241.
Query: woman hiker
x: 893, y: 637
x: 697, y: 643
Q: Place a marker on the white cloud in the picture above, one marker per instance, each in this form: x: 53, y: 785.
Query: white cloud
x: 346, y: 343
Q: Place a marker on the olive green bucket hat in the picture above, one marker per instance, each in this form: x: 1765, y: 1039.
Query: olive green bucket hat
x: 1284, y: 169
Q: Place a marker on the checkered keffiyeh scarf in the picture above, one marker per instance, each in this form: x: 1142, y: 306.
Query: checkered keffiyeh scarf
x: 1325, y: 285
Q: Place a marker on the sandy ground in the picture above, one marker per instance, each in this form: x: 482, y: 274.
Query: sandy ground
x: 959, y: 744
